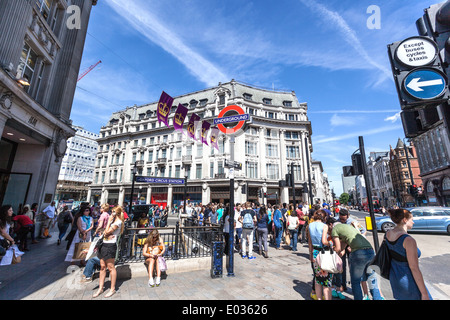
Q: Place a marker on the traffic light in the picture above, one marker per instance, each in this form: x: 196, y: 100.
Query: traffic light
x: 357, y: 164
x: 435, y: 23
x: 418, y: 73
x: 305, y: 187
x: 244, y: 189
x: 413, y: 190
x: 288, y: 180
x: 259, y: 193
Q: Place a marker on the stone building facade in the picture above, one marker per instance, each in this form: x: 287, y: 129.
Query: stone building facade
x: 278, y: 134
x: 39, y: 64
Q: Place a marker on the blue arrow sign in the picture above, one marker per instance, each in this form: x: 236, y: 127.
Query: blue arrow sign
x: 425, y: 84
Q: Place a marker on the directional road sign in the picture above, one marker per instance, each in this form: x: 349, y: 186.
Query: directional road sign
x: 425, y: 83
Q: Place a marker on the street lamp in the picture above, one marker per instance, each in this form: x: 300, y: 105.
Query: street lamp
x: 137, y: 165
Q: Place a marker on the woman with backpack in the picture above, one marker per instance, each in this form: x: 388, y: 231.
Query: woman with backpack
x: 248, y: 220
x: 262, y: 230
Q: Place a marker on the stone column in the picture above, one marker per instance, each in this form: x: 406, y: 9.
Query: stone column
x: 149, y: 194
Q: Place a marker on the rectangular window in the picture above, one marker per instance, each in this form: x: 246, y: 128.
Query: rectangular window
x: 272, y: 171
x: 199, y: 150
x: 198, y: 171
x: 271, y: 150
x: 292, y: 152
x: 27, y: 64
x: 177, y: 171
x: 250, y: 147
x: 251, y: 169
x: 44, y: 7
x: 211, y: 169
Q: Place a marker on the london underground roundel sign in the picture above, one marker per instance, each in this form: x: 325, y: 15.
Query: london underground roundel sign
x: 241, y: 117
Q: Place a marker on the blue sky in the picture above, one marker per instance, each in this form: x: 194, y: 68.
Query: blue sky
x: 323, y: 50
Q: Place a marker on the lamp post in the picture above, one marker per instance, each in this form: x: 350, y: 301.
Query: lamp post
x: 137, y: 165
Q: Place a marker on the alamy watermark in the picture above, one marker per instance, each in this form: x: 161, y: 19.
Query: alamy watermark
x: 374, y: 21
x: 74, y: 19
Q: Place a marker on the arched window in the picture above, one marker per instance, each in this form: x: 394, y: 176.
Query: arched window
x: 430, y: 186
x: 446, y: 183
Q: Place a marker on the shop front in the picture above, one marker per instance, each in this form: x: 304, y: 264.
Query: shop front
x: 159, y: 196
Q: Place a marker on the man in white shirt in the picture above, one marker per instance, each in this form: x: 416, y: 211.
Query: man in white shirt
x: 49, y: 215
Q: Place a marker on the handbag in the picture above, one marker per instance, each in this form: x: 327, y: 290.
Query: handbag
x: 81, y: 249
x: 383, y: 258
x: 162, y: 263
x: 329, y: 261
x: 94, y: 248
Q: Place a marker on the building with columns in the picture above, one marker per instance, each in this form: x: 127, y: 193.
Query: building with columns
x: 278, y: 134
x: 78, y: 164
x: 39, y: 63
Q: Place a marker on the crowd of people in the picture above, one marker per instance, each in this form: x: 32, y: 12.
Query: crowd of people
x: 320, y: 227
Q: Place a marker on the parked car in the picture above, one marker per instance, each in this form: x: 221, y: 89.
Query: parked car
x: 427, y: 219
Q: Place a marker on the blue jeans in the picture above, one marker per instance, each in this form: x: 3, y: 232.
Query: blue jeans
x: 278, y: 234
x: 294, y: 238
x: 358, y: 261
x: 90, y: 267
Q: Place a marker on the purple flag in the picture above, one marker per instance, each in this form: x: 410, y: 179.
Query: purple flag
x: 214, y: 137
x: 191, y: 126
x: 164, y: 107
x: 180, y: 115
x: 205, y: 127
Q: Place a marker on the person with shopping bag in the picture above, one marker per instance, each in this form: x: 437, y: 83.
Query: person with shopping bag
x: 108, y: 249
x: 361, y: 253
x: 81, y: 240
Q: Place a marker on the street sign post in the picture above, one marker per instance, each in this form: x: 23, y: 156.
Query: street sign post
x: 233, y: 164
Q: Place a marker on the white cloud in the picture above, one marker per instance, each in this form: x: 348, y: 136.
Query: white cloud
x: 349, y: 36
x: 141, y: 17
x: 393, y: 118
x: 357, y: 134
x: 337, y: 120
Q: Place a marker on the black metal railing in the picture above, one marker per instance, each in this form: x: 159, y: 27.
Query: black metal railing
x: 185, y: 240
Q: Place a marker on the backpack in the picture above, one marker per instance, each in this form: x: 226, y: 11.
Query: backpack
x: 247, y: 223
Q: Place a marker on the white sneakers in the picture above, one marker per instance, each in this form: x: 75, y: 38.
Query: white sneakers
x: 152, y: 283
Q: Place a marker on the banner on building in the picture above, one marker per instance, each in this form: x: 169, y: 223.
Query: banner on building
x: 193, y: 121
x: 179, y: 117
x: 214, y: 137
x: 164, y: 107
x: 205, y: 127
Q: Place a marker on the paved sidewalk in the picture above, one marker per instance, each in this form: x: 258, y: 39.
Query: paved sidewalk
x: 43, y: 275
